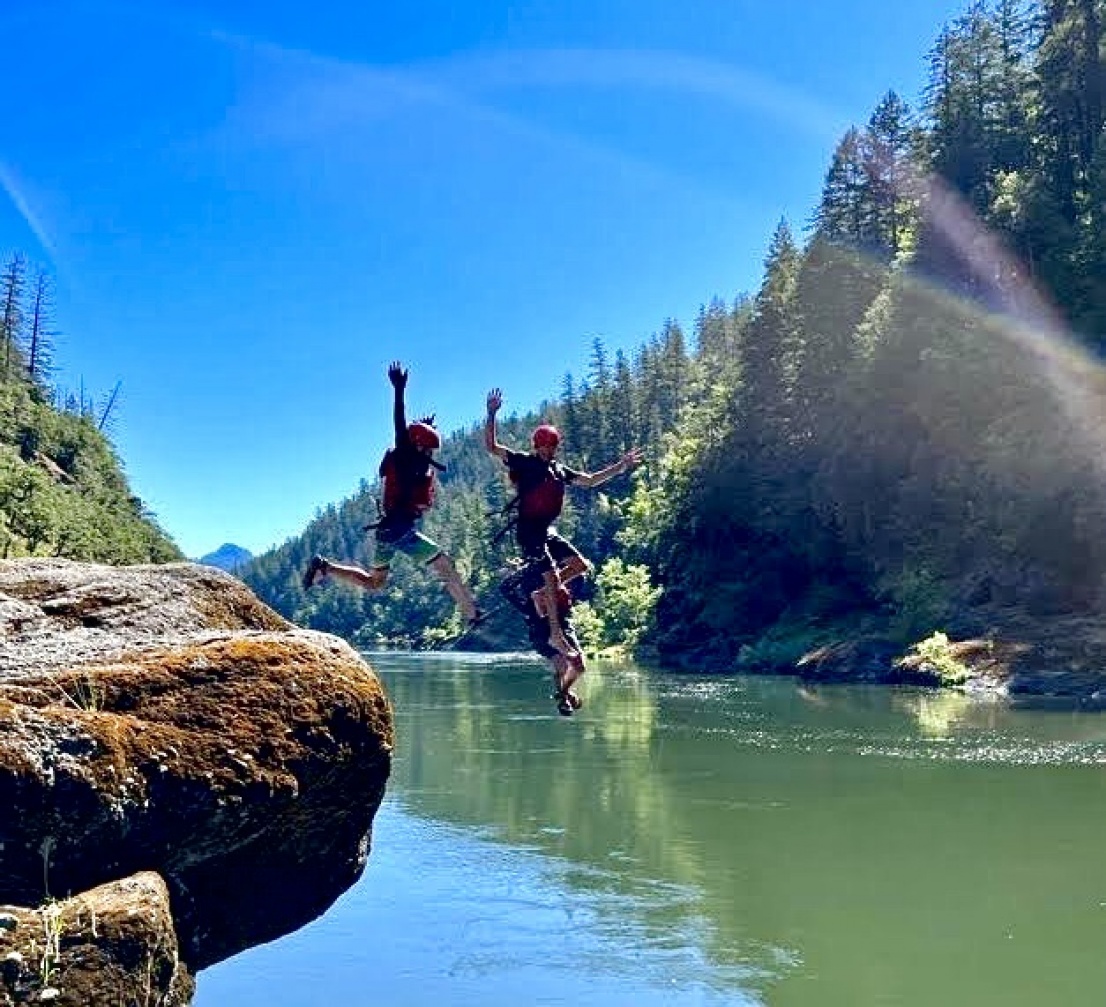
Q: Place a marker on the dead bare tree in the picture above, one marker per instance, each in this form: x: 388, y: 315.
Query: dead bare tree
x: 109, y: 403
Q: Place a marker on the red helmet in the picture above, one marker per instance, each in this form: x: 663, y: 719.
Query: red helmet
x: 546, y: 436
x: 423, y: 435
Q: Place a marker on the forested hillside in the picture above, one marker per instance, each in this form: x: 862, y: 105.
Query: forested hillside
x: 898, y: 431
x: 63, y: 491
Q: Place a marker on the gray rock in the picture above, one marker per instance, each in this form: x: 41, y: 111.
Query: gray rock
x: 162, y: 718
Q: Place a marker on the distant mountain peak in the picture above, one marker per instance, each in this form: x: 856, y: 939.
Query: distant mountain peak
x: 228, y: 556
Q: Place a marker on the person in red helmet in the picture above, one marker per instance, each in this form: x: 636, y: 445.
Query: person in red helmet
x: 407, y: 473
x: 541, y: 481
x: 524, y: 590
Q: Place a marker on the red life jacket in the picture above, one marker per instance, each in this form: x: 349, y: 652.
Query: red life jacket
x: 543, y: 502
x: 407, y: 492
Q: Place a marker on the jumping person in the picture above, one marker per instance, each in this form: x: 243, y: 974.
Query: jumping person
x: 407, y: 471
x: 524, y: 590
x: 541, y: 482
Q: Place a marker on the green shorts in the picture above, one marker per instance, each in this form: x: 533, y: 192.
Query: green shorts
x: 407, y: 540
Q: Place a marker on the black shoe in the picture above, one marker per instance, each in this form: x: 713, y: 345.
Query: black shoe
x: 564, y: 704
x: 315, y: 570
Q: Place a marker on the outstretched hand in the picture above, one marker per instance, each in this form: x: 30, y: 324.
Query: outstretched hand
x: 428, y: 420
x: 495, y: 401
x: 397, y: 375
x: 632, y: 459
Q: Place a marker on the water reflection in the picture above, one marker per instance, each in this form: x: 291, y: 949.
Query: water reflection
x: 939, y: 713
x: 486, y: 748
x: 819, y: 846
x: 443, y: 917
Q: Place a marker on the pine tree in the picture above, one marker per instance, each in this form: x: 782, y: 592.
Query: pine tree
x: 834, y: 289
x: 962, y: 66
x: 40, y: 341
x: 1013, y: 86
x: 596, y: 445
x: 623, y: 405
x: 1091, y: 252
x: 1071, y: 92
x: 769, y: 349
x: 11, y: 319
x: 841, y: 214
x: 888, y: 190
x: 1058, y: 201
x: 717, y: 339
x: 671, y: 372
x: 570, y: 417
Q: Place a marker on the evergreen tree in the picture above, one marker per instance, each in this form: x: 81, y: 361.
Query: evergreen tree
x: 769, y: 347
x: 1013, y: 86
x: 961, y: 68
x: 888, y: 190
x: 834, y: 289
x: 40, y: 340
x: 717, y: 338
x: 595, y: 445
x: 623, y: 405
x: 1091, y: 252
x: 570, y: 418
x: 841, y: 213
x: 11, y: 319
x: 1069, y: 68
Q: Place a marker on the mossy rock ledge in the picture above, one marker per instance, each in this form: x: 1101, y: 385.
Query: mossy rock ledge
x: 1057, y: 662
x: 183, y: 775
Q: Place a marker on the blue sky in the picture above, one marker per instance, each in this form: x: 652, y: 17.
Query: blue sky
x: 251, y: 206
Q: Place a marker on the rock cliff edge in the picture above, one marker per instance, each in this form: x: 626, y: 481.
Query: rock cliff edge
x: 183, y: 775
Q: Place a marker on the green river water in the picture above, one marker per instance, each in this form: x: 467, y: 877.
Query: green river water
x: 704, y: 840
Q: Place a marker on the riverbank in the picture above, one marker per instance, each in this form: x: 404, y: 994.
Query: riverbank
x: 1057, y: 660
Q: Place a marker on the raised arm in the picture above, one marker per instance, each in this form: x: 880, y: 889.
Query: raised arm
x: 398, y: 377
x: 495, y: 401
x: 590, y: 480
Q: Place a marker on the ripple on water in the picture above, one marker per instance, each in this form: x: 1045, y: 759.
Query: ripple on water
x: 990, y: 747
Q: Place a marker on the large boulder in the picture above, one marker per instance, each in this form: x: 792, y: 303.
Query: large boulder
x: 114, y: 944
x: 160, y: 718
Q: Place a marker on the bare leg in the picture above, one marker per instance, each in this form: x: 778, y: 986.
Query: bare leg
x: 575, y: 567
x: 370, y: 580
x: 557, y: 662
x: 566, y: 670
x: 443, y: 566
x: 574, y: 668
x: 557, y: 639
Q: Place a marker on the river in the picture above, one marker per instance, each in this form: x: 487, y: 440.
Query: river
x: 710, y: 841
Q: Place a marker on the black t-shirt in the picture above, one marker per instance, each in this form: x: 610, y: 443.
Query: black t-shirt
x: 529, y: 471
